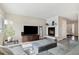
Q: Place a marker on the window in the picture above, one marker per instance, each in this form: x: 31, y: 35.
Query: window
x: 1, y: 23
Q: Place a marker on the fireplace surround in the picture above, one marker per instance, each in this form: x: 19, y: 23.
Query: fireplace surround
x: 51, y: 31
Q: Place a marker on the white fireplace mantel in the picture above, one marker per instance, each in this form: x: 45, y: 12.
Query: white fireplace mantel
x: 60, y: 26
x: 49, y: 21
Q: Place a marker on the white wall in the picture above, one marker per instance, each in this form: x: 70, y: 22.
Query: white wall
x: 20, y: 21
x: 1, y: 33
x: 1, y: 38
x: 78, y: 27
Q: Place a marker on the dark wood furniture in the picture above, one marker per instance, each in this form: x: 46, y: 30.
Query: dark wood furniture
x: 30, y: 37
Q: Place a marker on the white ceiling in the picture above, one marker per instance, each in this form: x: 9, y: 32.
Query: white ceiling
x: 42, y: 10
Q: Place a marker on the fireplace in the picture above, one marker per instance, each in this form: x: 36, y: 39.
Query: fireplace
x: 51, y: 31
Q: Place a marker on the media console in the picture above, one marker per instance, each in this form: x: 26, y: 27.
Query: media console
x: 30, y: 37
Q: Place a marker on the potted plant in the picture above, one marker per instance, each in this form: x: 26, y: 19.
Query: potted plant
x: 9, y: 32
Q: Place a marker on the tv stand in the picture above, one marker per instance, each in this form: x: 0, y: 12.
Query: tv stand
x: 30, y: 37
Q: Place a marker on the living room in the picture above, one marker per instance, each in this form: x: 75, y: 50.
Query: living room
x: 48, y: 21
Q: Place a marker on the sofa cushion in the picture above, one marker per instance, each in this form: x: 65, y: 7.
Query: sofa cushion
x: 5, y: 50
x: 17, y: 49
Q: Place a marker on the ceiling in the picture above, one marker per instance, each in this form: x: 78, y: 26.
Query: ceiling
x: 42, y: 10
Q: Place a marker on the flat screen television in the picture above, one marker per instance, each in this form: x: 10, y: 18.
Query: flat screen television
x: 30, y: 30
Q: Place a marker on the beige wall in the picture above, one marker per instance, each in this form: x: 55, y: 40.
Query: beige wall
x: 69, y: 27
x: 62, y: 27
x: 76, y: 28
x: 2, y: 12
x: 20, y: 21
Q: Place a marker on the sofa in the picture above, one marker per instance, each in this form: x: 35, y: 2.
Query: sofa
x: 40, y: 45
x: 15, y: 49
x: 23, y: 49
x: 47, y: 46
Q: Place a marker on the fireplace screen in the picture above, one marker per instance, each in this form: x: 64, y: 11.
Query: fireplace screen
x: 51, y: 31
